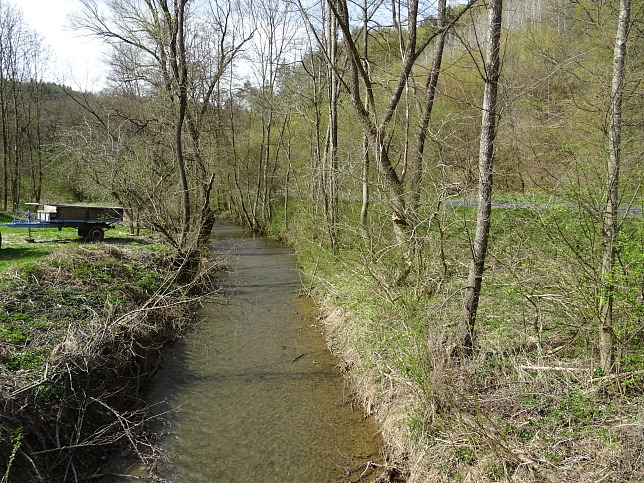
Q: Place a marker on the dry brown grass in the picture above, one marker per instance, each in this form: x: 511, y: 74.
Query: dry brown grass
x: 526, y: 416
x: 110, y: 310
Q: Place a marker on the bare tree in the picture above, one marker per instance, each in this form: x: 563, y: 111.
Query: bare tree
x: 610, y: 224
x: 366, y: 159
x: 271, y: 53
x: 330, y: 163
x: 22, y: 56
x: 416, y: 163
x: 156, y: 31
x: 359, y: 80
x: 163, y: 48
x: 361, y: 85
x: 486, y: 158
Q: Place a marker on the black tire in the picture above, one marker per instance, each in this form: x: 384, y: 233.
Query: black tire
x: 95, y: 234
x: 82, y: 232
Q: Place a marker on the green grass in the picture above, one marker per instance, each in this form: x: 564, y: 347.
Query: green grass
x: 17, y: 249
x: 60, y: 279
x: 537, y: 310
x: 75, y: 329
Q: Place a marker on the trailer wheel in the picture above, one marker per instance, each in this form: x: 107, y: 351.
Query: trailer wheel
x: 95, y: 234
x: 82, y: 232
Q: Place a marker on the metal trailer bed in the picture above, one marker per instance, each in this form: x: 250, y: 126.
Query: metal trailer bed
x: 90, y: 221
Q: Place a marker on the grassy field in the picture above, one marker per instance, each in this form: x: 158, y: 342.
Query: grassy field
x: 56, y: 279
x: 16, y: 247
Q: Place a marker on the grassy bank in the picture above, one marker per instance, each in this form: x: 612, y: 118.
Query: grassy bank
x: 80, y: 327
x: 532, y: 405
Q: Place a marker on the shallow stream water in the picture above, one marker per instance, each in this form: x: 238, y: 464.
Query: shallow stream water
x: 256, y: 393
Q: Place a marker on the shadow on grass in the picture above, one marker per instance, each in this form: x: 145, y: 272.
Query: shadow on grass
x: 13, y: 253
x: 41, y: 247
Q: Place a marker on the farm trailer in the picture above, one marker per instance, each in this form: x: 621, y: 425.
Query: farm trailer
x: 89, y: 221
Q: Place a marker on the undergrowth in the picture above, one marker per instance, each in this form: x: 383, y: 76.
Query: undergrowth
x: 80, y: 329
x: 532, y: 404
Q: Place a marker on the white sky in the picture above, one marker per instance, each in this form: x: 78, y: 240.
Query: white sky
x: 76, y: 59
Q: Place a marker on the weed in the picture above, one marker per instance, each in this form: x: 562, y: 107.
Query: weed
x: 416, y: 427
x: 538, y: 309
x: 549, y: 456
x: 495, y: 472
x: 15, y: 438
x: 15, y: 334
x: 28, y: 359
x: 576, y: 407
x: 510, y: 430
x: 464, y: 454
x: 72, y: 286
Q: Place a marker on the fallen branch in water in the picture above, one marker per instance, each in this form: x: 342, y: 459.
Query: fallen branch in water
x: 300, y: 356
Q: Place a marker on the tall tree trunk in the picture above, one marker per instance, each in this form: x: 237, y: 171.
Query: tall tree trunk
x: 416, y: 163
x: 16, y: 145
x: 330, y: 167
x: 5, y: 142
x: 36, y: 154
x: 610, y: 229
x: 179, y: 66
x: 365, y: 109
x: 364, y: 209
x: 486, y: 156
x: 183, y: 180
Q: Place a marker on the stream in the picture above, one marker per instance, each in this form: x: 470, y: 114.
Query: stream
x: 254, y: 392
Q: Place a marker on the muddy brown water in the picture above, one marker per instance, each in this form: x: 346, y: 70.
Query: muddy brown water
x: 256, y: 394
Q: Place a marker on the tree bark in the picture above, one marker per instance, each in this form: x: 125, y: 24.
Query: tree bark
x: 180, y: 71
x: 466, y: 339
x: 181, y: 61
x: 364, y: 209
x: 375, y: 128
x: 610, y: 228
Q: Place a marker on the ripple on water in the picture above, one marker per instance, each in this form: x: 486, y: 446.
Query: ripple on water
x: 255, y: 393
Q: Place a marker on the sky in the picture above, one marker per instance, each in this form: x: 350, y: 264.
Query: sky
x: 76, y: 60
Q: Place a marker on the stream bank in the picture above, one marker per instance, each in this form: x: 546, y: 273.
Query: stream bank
x: 67, y: 411
x: 80, y: 327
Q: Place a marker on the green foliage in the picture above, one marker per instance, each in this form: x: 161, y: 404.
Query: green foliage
x: 13, y: 438
x: 64, y: 345
x: 524, y: 433
x: 464, y: 454
x: 417, y: 424
x: 28, y: 359
x: 536, y: 300
x: 11, y: 332
x: 577, y: 407
x: 540, y: 300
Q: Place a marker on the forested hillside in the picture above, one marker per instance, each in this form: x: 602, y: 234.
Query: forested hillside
x: 463, y: 184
